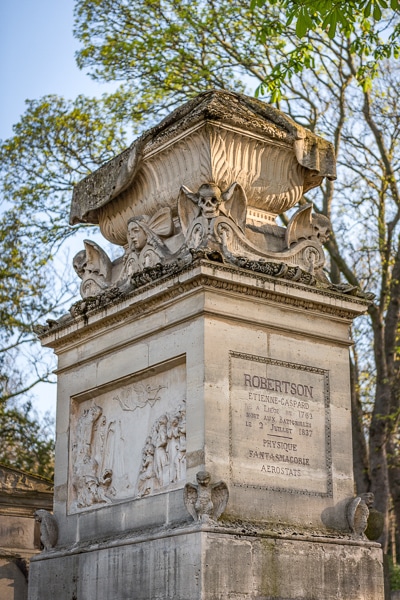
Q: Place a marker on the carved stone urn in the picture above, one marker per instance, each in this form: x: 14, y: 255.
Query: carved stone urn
x: 218, y: 137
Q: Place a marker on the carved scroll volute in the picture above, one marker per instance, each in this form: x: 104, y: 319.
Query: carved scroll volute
x: 357, y: 517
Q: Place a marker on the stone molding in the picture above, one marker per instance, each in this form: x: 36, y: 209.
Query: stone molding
x: 238, y: 528
x: 17, y: 483
x: 202, y: 275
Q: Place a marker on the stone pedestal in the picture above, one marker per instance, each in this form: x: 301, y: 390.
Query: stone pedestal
x: 203, y: 415
x: 219, y: 564
x: 215, y: 369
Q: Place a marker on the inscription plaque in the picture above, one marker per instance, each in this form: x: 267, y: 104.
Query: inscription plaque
x: 279, y: 425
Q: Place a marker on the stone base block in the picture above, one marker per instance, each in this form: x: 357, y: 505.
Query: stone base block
x: 201, y: 564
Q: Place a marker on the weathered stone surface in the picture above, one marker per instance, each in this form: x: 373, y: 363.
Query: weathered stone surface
x: 102, y: 447
x: 209, y: 180
x: 206, y: 334
x: 185, y: 565
x: 231, y: 115
x: 21, y: 494
x: 203, y: 422
x: 174, y: 340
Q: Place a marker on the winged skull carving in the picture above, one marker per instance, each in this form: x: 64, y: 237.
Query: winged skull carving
x: 304, y: 225
x: 210, y: 202
x: 205, y: 501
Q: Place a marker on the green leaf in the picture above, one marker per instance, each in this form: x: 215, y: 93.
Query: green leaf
x: 304, y: 23
x: 377, y: 12
x: 367, y: 9
x: 332, y: 25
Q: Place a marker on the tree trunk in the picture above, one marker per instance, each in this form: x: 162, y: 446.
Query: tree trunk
x: 378, y: 432
x: 394, y: 483
x: 360, y: 450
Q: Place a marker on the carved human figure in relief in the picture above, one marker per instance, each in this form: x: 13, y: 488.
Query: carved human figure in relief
x: 92, y: 476
x: 146, y: 476
x: 205, y: 501
x: 181, y: 455
x: 161, y: 462
x: 146, y: 247
x: 164, y: 453
x: 173, y: 447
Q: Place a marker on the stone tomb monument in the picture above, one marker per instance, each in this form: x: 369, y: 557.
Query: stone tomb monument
x: 203, y: 419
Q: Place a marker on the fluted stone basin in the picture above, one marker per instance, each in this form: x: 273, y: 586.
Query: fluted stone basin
x: 218, y: 137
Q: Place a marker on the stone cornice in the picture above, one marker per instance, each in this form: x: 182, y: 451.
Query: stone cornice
x: 203, y: 276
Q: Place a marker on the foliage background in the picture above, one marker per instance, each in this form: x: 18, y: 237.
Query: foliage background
x: 155, y: 55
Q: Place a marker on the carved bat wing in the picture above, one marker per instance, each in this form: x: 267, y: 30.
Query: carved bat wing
x: 97, y: 260
x: 235, y: 204
x: 300, y: 225
x: 190, y: 497
x: 79, y: 263
x: 219, y: 497
x: 188, y: 209
x: 161, y: 223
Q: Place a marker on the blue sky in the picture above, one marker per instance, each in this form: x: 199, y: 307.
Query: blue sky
x: 37, y: 56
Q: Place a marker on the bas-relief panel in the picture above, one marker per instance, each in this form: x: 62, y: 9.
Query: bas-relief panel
x: 129, y: 441
x: 279, y: 426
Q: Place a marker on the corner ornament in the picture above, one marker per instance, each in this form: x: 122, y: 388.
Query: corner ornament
x: 94, y: 267
x: 48, y: 528
x: 205, y: 501
x: 216, y: 220
x: 365, y: 522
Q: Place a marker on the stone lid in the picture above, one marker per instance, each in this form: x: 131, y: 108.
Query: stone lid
x: 249, y: 114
